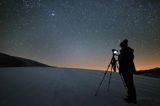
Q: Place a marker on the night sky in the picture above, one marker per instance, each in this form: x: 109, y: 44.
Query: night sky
x: 80, y: 33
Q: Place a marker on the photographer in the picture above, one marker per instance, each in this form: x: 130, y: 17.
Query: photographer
x: 127, y: 69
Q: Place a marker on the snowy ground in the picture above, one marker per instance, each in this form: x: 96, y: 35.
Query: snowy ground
x: 70, y: 87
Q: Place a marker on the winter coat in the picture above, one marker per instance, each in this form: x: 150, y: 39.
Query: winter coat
x: 125, y: 59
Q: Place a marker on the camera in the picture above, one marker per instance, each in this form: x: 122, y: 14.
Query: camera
x: 115, y: 52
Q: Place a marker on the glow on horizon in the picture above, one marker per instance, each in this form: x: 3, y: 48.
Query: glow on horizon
x: 139, y: 66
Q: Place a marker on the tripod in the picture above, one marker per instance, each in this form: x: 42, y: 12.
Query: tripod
x: 113, y: 64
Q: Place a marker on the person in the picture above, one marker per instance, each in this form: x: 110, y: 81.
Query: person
x: 127, y: 69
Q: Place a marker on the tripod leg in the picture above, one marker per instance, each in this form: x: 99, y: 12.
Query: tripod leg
x: 123, y: 82
x: 109, y: 80
x: 101, y: 81
x: 122, y: 78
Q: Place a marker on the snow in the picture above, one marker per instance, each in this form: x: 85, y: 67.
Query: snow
x: 37, y: 86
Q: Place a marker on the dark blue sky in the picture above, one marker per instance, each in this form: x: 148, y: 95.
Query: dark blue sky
x: 80, y: 33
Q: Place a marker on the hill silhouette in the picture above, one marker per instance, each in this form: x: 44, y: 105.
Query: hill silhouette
x: 13, y: 61
x: 155, y: 72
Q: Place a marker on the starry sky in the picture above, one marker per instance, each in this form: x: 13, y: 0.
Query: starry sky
x: 80, y: 33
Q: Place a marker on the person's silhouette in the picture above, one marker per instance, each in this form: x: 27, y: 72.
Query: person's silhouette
x: 127, y: 69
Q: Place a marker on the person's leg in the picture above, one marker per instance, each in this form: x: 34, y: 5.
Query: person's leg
x: 131, y: 87
x: 128, y: 79
x: 126, y: 82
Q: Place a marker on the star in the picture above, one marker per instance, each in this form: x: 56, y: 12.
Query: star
x: 52, y: 14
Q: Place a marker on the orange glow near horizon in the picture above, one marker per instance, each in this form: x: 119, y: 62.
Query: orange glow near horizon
x: 140, y: 65
x: 100, y: 62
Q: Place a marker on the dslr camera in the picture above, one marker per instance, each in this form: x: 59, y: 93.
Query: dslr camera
x: 115, y: 52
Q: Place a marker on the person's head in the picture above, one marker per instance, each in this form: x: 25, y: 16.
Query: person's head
x: 124, y: 43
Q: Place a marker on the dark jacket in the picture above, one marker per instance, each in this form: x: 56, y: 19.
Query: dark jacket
x: 126, y: 57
